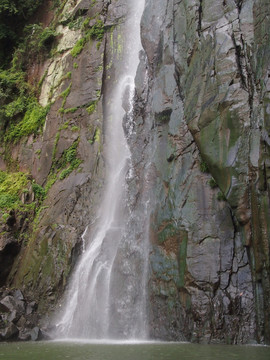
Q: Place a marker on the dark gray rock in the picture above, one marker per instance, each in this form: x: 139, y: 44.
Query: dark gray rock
x: 36, y: 334
x: 10, y: 332
x: 13, y: 304
x: 24, y: 335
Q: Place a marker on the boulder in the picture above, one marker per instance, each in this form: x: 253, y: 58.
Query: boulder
x: 13, y: 304
x: 10, y: 332
x: 36, y: 334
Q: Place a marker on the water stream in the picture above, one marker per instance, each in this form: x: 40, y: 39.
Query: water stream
x: 103, y: 301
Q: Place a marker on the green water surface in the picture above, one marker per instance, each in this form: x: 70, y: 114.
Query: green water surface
x: 129, y: 351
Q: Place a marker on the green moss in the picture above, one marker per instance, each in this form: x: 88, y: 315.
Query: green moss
x: 97, y: 31
x: 70, y: 160
x: 66, y: 92
x: 204, y: 167
x: 31, y: 123
x: 64, y: 126
x: 92, y: 107
x: 85, y: 24
x: 221, y: 196
x: 75, y: 66
x: 78, y: 47
x: 40, y: 83
x: 50, y: 181
x: 12, y: 186
x: 97, y: 135
x: 212, y: 183
x: 182, y: 257
x: 67, y: 76
x: 76, y: 24
x: 55, y: 144
x: 39, y: 191
x: 70, y: 110
x: 65, y: 173
x: 75, y: 128
x: 64, y: 95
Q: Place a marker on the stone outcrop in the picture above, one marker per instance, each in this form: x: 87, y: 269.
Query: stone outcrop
x: 200, y: 158
x: 202, y: 118
x: 18, y: 317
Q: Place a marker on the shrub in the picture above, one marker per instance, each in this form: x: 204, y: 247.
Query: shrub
x: 12, y: 186
x: 97, y: 31
x: 32, y: 121
x: 39, y: 192
x: 46, y: 38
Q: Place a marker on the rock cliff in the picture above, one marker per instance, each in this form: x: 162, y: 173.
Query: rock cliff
x: 200, y: 155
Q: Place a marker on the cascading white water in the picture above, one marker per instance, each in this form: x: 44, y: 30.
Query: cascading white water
x: 92, y: 309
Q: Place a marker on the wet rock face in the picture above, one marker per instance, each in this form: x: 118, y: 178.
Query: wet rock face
x: 206, y: 102
x: 200, y: 156
x: 15, y: 223
x: 77, y: 87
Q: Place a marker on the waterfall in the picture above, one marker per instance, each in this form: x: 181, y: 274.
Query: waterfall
x: 106, y: 295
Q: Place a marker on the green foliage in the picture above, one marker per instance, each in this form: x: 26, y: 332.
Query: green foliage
x: 75, y: 66
x: 13, y: 97
x: 97, y: 135
x: 76, y: 24
x: 13, y: 16
x: 56, y: 3
x: 64, y: 95
x: 97, y: 31
x: 70, y: 160
x: 23, y: 8
x: 64, y: 126
x: 50, y: 181
x: 78, y: 47
x: 39, y: 192
x: 212, y: 183
x: 85, y: 24
x: 70, y: 110
x: 31, y: 123
x: 20, y: 113
x: 65, y: 173
x: 35, y: 47
x: 57, y: 137
x: 15, y: 107
x: 221, y: 196
x: 12, y: 186
x: 8, y: 201
x: 11, y: 83
x: 204, y: 167
x: 66, y: 92
x: 46, y: 38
